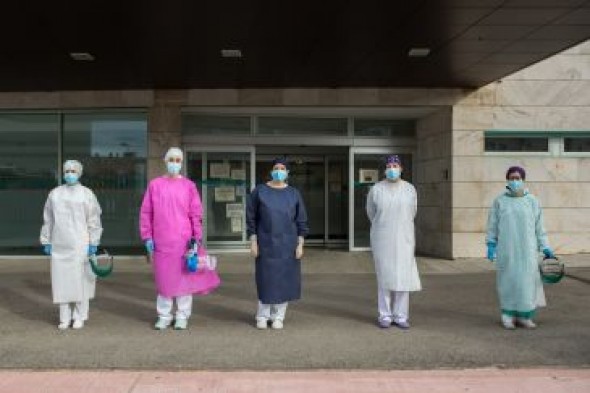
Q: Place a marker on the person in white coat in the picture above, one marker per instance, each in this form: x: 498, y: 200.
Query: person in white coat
x: 71, y: 232
x: 391, y: 207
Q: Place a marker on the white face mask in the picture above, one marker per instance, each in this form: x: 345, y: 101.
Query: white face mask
x: 173, y: 167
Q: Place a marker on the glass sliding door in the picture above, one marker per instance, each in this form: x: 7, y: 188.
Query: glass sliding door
x: 337, y: 198
x: 29, y: 169
x: 368, y: 167
x: 223, y: 178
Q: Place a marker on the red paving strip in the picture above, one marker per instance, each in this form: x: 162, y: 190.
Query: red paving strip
x: 437, y: 381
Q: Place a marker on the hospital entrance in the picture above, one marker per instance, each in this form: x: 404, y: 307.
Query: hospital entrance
x: 333, y: 180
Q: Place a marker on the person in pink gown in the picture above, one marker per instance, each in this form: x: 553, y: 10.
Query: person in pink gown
x: 170, y: 217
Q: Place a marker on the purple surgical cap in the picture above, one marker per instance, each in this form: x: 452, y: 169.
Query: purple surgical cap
x: 393, y: 159
x: 280, y: 160
x: 514, y: 169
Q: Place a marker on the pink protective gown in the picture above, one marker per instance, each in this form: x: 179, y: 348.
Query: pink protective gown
x: 170, y: 215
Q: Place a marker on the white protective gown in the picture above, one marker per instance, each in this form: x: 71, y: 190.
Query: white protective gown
x: 391, y: 208
x: 71, y: 221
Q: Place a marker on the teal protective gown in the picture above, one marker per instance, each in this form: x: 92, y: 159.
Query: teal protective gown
x: 515, y: 224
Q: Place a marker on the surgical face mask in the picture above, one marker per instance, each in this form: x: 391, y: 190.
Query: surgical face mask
x: 392, y: 173
x: 173, y: 167
x: 279, y: 175
x: 515, y: 185
x: 71, y: 178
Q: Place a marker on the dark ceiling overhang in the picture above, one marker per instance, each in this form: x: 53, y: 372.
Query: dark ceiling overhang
x: 285, y: 44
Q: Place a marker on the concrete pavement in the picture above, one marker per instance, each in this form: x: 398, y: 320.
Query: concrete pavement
x: 454, y: 322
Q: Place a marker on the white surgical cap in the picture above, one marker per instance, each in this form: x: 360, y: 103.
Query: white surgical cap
x: 174, y: 152
x: 75, y: 165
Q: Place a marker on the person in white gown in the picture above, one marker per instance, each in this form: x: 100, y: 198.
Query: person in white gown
x: 391, y: 207
x: 71, y: 232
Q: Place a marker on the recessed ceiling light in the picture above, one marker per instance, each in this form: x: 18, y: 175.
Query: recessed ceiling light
x: 81, y: 56
x: 419, y: 52
x: 231, y: 53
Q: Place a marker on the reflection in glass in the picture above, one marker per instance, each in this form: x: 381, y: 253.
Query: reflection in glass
x: 113, y: 149
x: 28, y: 171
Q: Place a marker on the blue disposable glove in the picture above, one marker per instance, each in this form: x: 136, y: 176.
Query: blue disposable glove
x: 491, y: 251
x: 149, y: 246
x: 47, y: 249
x: 548, y: 253
x: 92, y: 249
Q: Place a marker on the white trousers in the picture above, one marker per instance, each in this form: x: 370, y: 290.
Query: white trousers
x: 184, y: 305
x: 393, y: 305
x: 77, y: 311
x: 272, y: 311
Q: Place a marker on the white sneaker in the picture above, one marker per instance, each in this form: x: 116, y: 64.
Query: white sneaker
x: 63, y: 325
x: 162, y: 324
x: 261, y: 323
x: 508, y: 322
x: 78, y: 324
x: 180, y: 324
x: 277, y: 324
x: 526, y: 323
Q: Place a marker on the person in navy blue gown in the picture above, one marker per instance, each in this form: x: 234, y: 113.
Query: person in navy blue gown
x: 277, y: 224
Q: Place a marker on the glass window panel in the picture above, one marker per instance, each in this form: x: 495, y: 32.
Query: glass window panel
x: 385, y: 127
x: 302, y: 126
x: 28, y: 171
x: 113, y: 149
x: 194, y: 124
x: 577, y: 145
x: 516, y: 144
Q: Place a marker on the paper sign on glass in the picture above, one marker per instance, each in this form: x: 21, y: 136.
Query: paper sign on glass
x: 238, y: 174
x: 234, y: 210
x: 368, y: 175
x: 236, y: 224
x: 225, y: 194
x: 219, y: 170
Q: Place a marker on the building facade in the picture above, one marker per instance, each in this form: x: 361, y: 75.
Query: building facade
x: 455, y: 144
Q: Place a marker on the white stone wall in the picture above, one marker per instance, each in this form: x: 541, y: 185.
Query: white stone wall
x: 553, y: 95
x: 433, y: 164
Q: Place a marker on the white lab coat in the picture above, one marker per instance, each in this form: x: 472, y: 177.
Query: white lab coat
x: 391, y: 208
x: 71, y: 221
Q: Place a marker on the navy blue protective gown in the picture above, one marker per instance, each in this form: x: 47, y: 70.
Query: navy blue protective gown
x: 277, y: 217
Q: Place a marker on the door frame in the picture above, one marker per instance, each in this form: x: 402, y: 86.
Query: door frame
x: 192, y: 148
x: 355, y: 150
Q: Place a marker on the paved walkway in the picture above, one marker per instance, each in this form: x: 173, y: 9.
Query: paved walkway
x: 472, y: 381
x: 455, y: 343
x: 455, y: 322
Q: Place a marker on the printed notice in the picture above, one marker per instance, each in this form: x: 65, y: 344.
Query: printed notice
x: 236, y: 224
x: 238, y: 174
x: 225, y: 194
x: 368, y: 176
x: 219, y: 171
x: 234, y: 210
x: 240, y: 191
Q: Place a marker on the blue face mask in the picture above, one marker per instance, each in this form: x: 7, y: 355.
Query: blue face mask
x: 515, y: 185
x: 71, y: 178
x: 279, y: 175
x: 173, y: 167
x: 392, y: 173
